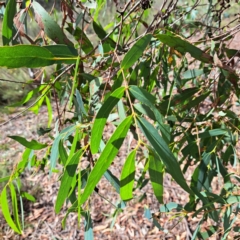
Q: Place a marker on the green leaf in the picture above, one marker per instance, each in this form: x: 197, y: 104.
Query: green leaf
x: 4, y: 179
x: 193, y: 73
x: 148, y: 99
x: 50, y: 27
x: 88, y: 228
x: 80, y: 104
x: 28, y: 96
x: 49, y: 108
x: 7, y: 27
x: 178, y: 99
x: 127, y: 177
x: 194, y: 236
x: 81, y: 37
x: 144, y: 109
x: 162, y: 149
x: 208, y: 233
x: 62, y: 51
x: 233, y: 199
x: 135, y: 52
x: 30, y: 56
x: 156, y: 170
x: 7, y: 213
x: 68, y: 176
x: 25, y: 56
x: 108, y: 154
x: 73, y: 146
x: 183, y: 46
x: 102, y: 34
x: 55, y: 146
x: 31, y: 145
x: 142, y: 95
x: 121, y: 110
x: 214, y: 133
x: 113, y: 180
x: 102, y: 116
x: 25, y: 159
x: 100, y: 8
x: 14, y: 205
x: 62, y: 153
x: 203, y: 170
x: 28, y: 196
x: 170, y: 206
x: 195, y: 101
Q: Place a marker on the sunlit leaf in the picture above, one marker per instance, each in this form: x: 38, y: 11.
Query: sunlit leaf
x: 28, y: 196
x: 6, y: 211
x: 164, y: 152
x: 14, y: 205
x: 7, y: 25
x: 102, y: 116
x: 66, y: 181
x: 156, y: 170
x: 135, y: 51
x: 108, y: 154
x: 127, y: 177
x: 31, y: 56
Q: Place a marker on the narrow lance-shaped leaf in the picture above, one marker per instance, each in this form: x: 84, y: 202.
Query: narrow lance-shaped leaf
x: 81, y: 37
x: 49, y: 108
x: 68, y: 176
x: 102, y: 34
x: 102, y: 116
x: 48, y: 25
x: 88, y: 228
x: 62, y: 51
x: 113, y: 180
x: 142, y: 95
x: 31, y: 56
x: 148, y: 99
x: 7, y: 27
x: 183, y: 46
x: 135, y: 52
x: 6, y: 211
x: 127, y: 177
x: 80, y: 104
x: 156, y: 169
x: 14, y: 205
x: 62, y: 153
x: 164, y: 152
x: 55, y: 146
x: 31, y: 145
x: 5, y: 179
x: 108, y: 154
x: 203, y: 170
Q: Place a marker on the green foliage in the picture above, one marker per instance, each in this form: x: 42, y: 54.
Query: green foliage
x: 140, y: 80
